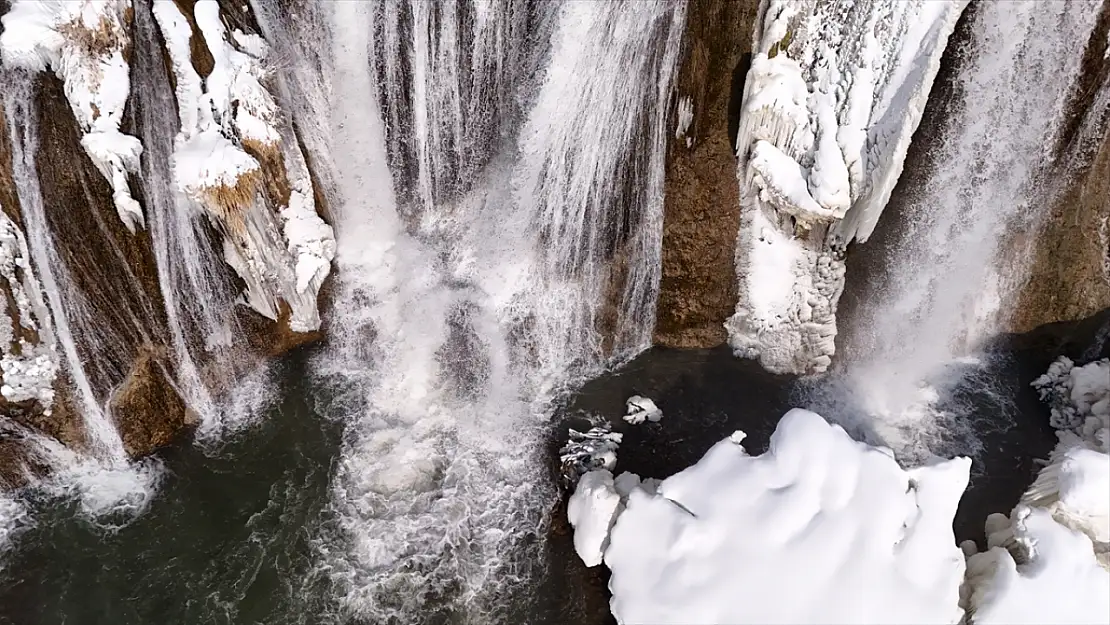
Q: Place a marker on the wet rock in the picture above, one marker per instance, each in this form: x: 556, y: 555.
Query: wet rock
x: 697, y: 291
x: 147, y: 409
x: 1070, y: 274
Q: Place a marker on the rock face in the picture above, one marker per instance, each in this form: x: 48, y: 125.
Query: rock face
x: 701, y: 215
x: 146, y: 292
x: 1069, y: 273
x: 148, y: 412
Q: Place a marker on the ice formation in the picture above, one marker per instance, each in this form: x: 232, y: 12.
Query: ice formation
x: 29, y: 359
x: 86, y: 43
x: 641, y: 408
x: 1049, y: 561
x: 228, y: 122
x: 820, y: 529
x: 833, y: 96
x: 589, y: 451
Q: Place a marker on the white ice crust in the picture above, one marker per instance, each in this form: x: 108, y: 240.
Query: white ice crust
x: 27, y: 367
x: 83, y: 42
x: 832, y: 98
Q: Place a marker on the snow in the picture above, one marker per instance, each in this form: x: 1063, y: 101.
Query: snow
x: 591, y: 511
x: 831, y: 101
x: 29, y: 372
x: 1049, y: 561
x: 820, y: 529
x: 640, y: 408
x: 281, y: 254
x: 1061, y: 583
x: 84, y: 44
x: 782, y: 184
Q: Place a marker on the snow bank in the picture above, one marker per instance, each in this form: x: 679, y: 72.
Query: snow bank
x: 28, y: 367
x: 820, y: 529
x: 833, y: 96
x: 1054, y: 580
x: 591, y: 511
x: 282, y: 255
x: 85, y: 43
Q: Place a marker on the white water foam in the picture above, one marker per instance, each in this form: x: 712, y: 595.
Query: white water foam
x: 943, y: 291
x: 462, y: 304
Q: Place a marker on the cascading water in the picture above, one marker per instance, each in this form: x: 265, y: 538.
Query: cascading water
x: 943, y: 290
x: 483, y: 197
x: 195, y: 293
x: 103, y: 440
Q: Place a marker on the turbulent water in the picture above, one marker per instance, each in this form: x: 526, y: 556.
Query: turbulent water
x: 487, y: 160
x: 940, y: 292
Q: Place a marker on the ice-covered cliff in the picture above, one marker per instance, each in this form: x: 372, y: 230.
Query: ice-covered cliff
x: 832, y: 99
x: 161, y: 228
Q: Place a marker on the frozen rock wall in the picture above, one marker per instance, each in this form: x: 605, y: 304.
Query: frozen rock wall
x: 833, y: 96
x: 121, y: 279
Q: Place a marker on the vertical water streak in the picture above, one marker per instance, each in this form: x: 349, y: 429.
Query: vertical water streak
x: 19, y: 102
x: 194, y: 289
x: 943, y: 290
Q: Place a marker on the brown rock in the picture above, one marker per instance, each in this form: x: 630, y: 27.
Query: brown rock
x: 148, y: 411
x: 697, y: 291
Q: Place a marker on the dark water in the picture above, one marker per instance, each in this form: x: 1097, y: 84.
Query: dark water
x: 232, y: 533
x: 228, y: 538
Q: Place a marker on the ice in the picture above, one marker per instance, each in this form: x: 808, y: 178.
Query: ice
x: 832, y: 98
x: 819, y: 529
x: 281, y: 254
x: 85, y: 44
x: 1049, y: 561
x: 1056, y: 578
x: 29, y: 371
x: 1079, y: 400
x: 640, y: 408
x: 585, y: 452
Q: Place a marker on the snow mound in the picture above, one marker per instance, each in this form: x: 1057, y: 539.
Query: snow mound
x: 1037, y: 571
x: 820, y: 529
x: 591, y: 511
x: 640, y: 409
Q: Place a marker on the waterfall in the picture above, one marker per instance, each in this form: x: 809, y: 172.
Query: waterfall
x: 495, y: 182
x: 943, y: 289
x: 103, y: 440
x: 196, y: 293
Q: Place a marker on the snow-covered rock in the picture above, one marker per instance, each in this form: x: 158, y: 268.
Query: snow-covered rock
x: 1049, y: 561
x: 638, y: 409
x: 820, y: 529
x: 282, y: 254
x: 86, y: 43
x: 591, y: 511
x: 589, y: 451
x: 832, y: 98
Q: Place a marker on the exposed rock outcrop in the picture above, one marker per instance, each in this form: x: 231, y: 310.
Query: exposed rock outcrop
x: 697, y: 291
x: 149, y: 412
